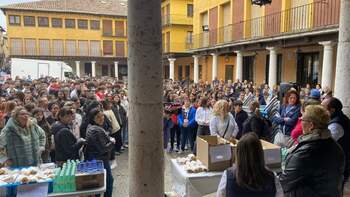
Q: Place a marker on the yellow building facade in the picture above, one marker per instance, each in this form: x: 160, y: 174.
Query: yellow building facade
x: 234, y: 39
x: 91, y: 38
x: 177, y: 31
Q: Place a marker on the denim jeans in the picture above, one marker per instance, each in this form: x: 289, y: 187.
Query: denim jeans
x: 125, y: 134
x: 110, y: 179
x: 187, y: 135
x: 175, y: 131
x: 166, y: 137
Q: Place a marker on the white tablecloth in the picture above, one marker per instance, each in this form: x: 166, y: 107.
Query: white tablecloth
x: 193, y: 184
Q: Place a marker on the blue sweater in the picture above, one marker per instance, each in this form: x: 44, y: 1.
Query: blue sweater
x: 190, y: 116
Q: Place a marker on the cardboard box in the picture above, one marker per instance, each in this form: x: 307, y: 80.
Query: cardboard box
x: 89, y: 181
x: 214, y: 152
x: 233, y: 147
x: 272, y: 154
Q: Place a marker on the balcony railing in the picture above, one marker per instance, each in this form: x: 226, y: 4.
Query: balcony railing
x: 176, y: 19
x: 318, y: 15
x: 175, y: 47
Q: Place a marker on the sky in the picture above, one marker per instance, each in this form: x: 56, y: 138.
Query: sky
x: 6, y: 2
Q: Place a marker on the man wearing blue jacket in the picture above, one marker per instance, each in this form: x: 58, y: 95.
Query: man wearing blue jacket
x: 187, y: 124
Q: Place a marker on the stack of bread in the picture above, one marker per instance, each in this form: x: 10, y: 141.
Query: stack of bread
x: 25, y: 175
x: 191, y: 164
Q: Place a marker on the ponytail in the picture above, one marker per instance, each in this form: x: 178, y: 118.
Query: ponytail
x: 257, y: 112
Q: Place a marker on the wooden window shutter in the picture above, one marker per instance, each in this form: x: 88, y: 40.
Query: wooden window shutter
x: 71, y: 48
x: 107, y: 47
x: 44, y: 47
x: 30, y: 46
x: 16, y: 46
x: 95, y: 48
x: 119, y: 28
x: 107, y: 27
x: 57, y: 46
x: 120, y: 48
x: 83, y: 48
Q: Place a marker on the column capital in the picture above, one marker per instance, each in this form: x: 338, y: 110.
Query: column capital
x: 93, y: 62
x: 172, y: 59
x: 238, y: 52
x: 116, y: 62
x: 214, y: 54
x: 77, y: 62
x: 195, y: 56
x: 328, y: 43
x: 271, y: 48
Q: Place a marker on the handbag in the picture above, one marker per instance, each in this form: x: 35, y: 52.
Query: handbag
x: 282, y: 140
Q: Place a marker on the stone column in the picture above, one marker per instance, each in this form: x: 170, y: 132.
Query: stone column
x: 146, y: 155
x: 77, y: 68
x: 272, y: 67
x: 342, y: 79
x: 195, y: 68
x: 172, y: 68
x: 327, y: 66
x: 93, y: 69
x: 214, y: 66
x: 239, y: 65
x: 116, y: 71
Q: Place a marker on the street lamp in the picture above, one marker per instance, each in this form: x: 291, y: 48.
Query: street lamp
x: 261, y: 2
x: 205, y: 28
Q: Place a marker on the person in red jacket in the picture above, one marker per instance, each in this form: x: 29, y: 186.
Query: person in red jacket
x: 298, y: 130
x: 100, y: 93
x: 175, y: 130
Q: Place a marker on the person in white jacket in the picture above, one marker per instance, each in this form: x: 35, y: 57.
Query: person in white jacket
x: 203, y: 116
x: 222, y: 122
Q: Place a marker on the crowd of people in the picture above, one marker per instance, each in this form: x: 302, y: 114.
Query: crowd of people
x: 310, y: 122
x: 47, y: 120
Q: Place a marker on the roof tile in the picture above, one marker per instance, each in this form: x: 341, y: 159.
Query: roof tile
x: 99, y: 7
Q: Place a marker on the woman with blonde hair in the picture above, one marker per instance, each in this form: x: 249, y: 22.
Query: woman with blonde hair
x: 222, y: 122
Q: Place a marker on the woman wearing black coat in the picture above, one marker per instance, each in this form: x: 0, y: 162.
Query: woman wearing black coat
x: 99, y: 145
x: 67, y: 146
x: 120, y: 114
x: 315, y: 166
x: 256, y: 123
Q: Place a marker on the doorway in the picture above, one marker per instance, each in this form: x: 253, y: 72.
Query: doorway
x: 228, y: 72
x: 308, y: 68
x: 248, y: 68
x: 88, y: 69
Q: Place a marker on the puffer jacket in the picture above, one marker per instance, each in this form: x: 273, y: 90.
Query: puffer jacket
x: 314, y: 167
x: 99, y: 145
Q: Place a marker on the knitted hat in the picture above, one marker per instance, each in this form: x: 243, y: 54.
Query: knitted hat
x: 315, y: 94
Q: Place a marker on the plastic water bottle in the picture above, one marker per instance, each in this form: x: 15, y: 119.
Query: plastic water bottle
x: 56, y: 181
